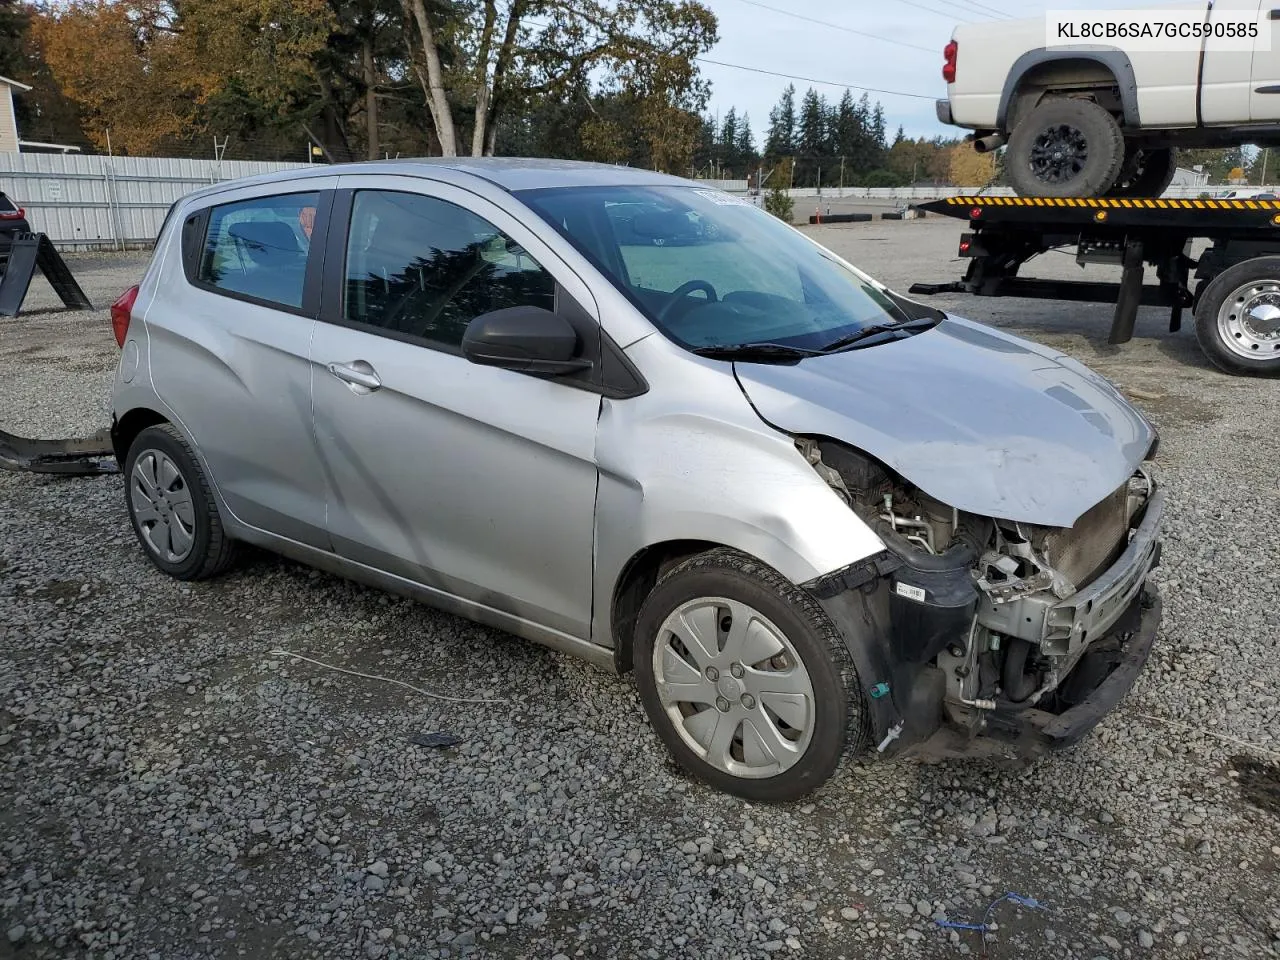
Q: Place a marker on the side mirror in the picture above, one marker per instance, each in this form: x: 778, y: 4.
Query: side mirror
x: 528, y: 339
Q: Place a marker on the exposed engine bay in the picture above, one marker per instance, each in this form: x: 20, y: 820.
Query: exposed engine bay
x: 1006, y: 611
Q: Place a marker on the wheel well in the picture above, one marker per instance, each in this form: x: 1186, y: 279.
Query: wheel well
x: 637, y: 581
x: 126, y: 429
x: 1083, y: 78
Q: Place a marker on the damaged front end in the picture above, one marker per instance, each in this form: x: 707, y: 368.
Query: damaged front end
x: 979, y: 635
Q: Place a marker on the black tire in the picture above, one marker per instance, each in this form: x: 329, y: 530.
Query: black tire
x: 839, y: 717
x: 211, y: 550
x: 1146, y: 172
x: 1065, y: 148
x: 1231, y: 342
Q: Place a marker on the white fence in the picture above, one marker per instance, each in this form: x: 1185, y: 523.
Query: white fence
x: 95, y: 202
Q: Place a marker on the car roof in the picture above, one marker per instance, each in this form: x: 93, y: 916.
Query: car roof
x: 508, y: 173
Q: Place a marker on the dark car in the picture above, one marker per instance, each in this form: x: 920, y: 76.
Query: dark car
x: 13, y: 219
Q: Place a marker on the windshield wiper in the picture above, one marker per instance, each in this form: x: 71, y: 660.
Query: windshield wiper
x: 763, y: 352
x: 920, y: 323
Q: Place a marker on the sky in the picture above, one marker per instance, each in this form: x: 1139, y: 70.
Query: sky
x: 752, y: 36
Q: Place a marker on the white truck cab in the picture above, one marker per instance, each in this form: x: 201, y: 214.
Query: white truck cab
x: 1105, y: 117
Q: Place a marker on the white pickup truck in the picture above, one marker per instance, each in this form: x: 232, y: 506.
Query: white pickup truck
x: 1105, y: 118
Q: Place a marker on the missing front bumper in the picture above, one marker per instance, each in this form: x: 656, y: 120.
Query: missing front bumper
x: 82, y: 456
x: 1067, y: 627
x: 1025, y: 733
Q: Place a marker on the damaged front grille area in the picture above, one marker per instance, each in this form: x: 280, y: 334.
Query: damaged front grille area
x: 1032, y: 569
x: 1082, y: 551
x: 1000, y: 612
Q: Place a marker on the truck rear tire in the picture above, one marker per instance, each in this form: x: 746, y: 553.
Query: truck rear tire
x: 1238, y: 318
x: 1065, y: 148
x: 1146, y: 172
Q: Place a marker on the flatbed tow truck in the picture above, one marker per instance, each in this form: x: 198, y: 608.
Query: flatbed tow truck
x: 1236, y: 296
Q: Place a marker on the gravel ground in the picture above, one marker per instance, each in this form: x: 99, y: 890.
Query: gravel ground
x: 173, y: 788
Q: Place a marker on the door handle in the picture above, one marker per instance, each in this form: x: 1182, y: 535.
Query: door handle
x: 358, y: 373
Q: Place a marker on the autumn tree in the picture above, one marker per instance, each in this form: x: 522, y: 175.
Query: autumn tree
x: 966, y: 167
x: 123, y: 64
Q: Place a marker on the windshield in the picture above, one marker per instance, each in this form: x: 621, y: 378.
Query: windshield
x: 712, y: 270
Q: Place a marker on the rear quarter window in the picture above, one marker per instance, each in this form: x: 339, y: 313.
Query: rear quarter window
x: 257, y: 249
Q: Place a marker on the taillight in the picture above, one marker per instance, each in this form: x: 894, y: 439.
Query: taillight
x: 15, y: 214
x: 122, y: 313
x: 949, y: 61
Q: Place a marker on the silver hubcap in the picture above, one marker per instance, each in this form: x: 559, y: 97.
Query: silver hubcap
x: 734, y: 687
x: 1249, y: 320
x: 162, y: 503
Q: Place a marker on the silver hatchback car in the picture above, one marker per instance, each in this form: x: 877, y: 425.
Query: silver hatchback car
x: 646, y: 423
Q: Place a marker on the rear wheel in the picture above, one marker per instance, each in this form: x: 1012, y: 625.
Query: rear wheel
x: 1146, y: 172
x: 1065, y: 148
x: 1238, y: 318
x: 171, y: 506
x: 745, y: 679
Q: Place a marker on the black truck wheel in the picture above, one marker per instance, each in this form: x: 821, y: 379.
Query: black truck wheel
x: 1065, y: 148
x: 1238, y: 318
x: 1146, y: 172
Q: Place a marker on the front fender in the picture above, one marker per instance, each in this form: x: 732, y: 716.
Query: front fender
x: 691, y: 460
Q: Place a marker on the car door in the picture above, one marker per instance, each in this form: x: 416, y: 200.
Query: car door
x: 230, y: 350
x: 1264, y: 81
x: 476, y: 481
x: 1226, y: 71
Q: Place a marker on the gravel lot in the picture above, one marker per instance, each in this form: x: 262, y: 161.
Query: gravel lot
x: 171, y: 788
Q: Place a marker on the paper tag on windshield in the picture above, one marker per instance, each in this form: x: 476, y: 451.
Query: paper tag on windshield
x: 723, y: 199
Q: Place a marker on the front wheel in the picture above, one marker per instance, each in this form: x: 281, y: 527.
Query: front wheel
x: 1146, y: 172
x: 1238, y: 318
x: 745, y: 678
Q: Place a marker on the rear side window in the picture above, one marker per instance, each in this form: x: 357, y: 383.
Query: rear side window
x: 424, y: 267
x: 7, y: 205
x: 258, y: 248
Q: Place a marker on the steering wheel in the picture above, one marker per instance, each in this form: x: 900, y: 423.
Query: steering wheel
x: 682, y: 291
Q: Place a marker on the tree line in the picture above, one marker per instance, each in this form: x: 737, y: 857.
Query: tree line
x: 610, y: 80
x: 820, y: 143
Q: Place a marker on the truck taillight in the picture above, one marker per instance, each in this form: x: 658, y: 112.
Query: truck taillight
x: 17, y: 213
x: 949, y: 61
x: 122, y: 313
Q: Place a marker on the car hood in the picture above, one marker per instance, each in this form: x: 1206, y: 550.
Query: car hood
x: 983, y: 421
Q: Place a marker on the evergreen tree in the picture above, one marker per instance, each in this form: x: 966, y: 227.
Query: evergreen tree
x: 846, y: 129
x: 877, y: 126
x: 746, y: 145
x: 781, y: 140
x: 728, y: 142
x: 705, y: 153
x: 812, y: 133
